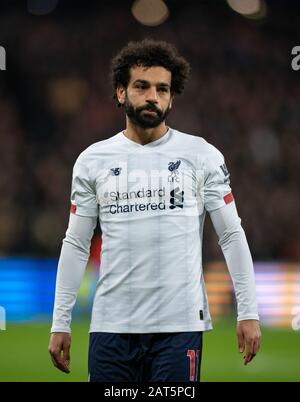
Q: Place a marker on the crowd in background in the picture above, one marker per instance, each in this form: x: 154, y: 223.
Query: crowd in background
x: 56, y: 99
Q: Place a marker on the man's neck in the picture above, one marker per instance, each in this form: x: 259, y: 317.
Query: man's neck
x: 144, y: 135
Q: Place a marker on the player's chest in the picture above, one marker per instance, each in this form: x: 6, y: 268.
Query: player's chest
x: 150, y: 176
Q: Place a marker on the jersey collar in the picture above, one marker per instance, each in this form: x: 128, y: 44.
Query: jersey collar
x: 151, y: 144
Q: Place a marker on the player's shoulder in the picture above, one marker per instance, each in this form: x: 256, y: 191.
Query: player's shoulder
x: 198, y: 144
x: 99, y: 147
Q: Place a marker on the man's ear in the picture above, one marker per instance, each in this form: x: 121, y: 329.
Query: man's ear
x: 171, y: 101
x: 121, y: 95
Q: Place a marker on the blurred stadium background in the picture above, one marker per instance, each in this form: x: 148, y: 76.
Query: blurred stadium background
x: 56, y: 99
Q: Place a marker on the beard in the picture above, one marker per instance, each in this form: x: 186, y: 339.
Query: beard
x: 142, y: 119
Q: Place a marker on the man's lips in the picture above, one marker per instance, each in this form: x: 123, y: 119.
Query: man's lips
x: 150, y: 112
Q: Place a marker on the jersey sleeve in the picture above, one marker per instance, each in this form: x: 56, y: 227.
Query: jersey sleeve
x: 83, y: 193
x: 234, y: 245
x: 217, y: 190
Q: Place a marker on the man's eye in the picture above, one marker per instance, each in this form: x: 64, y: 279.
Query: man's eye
x: 163, y: 89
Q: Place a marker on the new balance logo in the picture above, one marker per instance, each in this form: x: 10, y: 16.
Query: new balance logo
x: 176, y: 199
x: 115, y: 171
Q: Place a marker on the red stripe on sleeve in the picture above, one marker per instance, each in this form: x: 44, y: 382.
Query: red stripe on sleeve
x: 73, y: 209
x: 228, y: 198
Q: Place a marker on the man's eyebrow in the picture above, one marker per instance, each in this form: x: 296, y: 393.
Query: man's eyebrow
x: 161, y: 84
x: 139, y: 81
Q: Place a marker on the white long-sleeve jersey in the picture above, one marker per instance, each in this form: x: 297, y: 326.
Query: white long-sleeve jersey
x: 151, y: 201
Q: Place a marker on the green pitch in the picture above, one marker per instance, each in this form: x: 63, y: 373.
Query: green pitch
x: 24, y: 355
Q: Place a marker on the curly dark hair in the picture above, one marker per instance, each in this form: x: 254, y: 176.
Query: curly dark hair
x: 149, y: 53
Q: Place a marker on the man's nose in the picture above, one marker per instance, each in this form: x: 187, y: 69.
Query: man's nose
x: 152, y: 95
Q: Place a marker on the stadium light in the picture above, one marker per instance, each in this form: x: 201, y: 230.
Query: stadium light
x: 150, y: 12
x: 38, y: 7
x: 254, y: 9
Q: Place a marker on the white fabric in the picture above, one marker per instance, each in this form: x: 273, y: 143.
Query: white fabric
x: 71, y: 267
x: 151, y: 201
x: 236, y: 251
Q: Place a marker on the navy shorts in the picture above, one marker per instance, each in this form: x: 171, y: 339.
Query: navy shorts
x: 145, y: 357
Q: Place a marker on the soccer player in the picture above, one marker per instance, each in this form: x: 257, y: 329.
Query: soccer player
x: 150, y: 186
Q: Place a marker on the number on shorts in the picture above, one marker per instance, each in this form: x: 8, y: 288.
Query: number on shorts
x: 194, y: 363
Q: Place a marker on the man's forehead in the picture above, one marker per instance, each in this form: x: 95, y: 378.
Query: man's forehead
x: 152, y: 74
